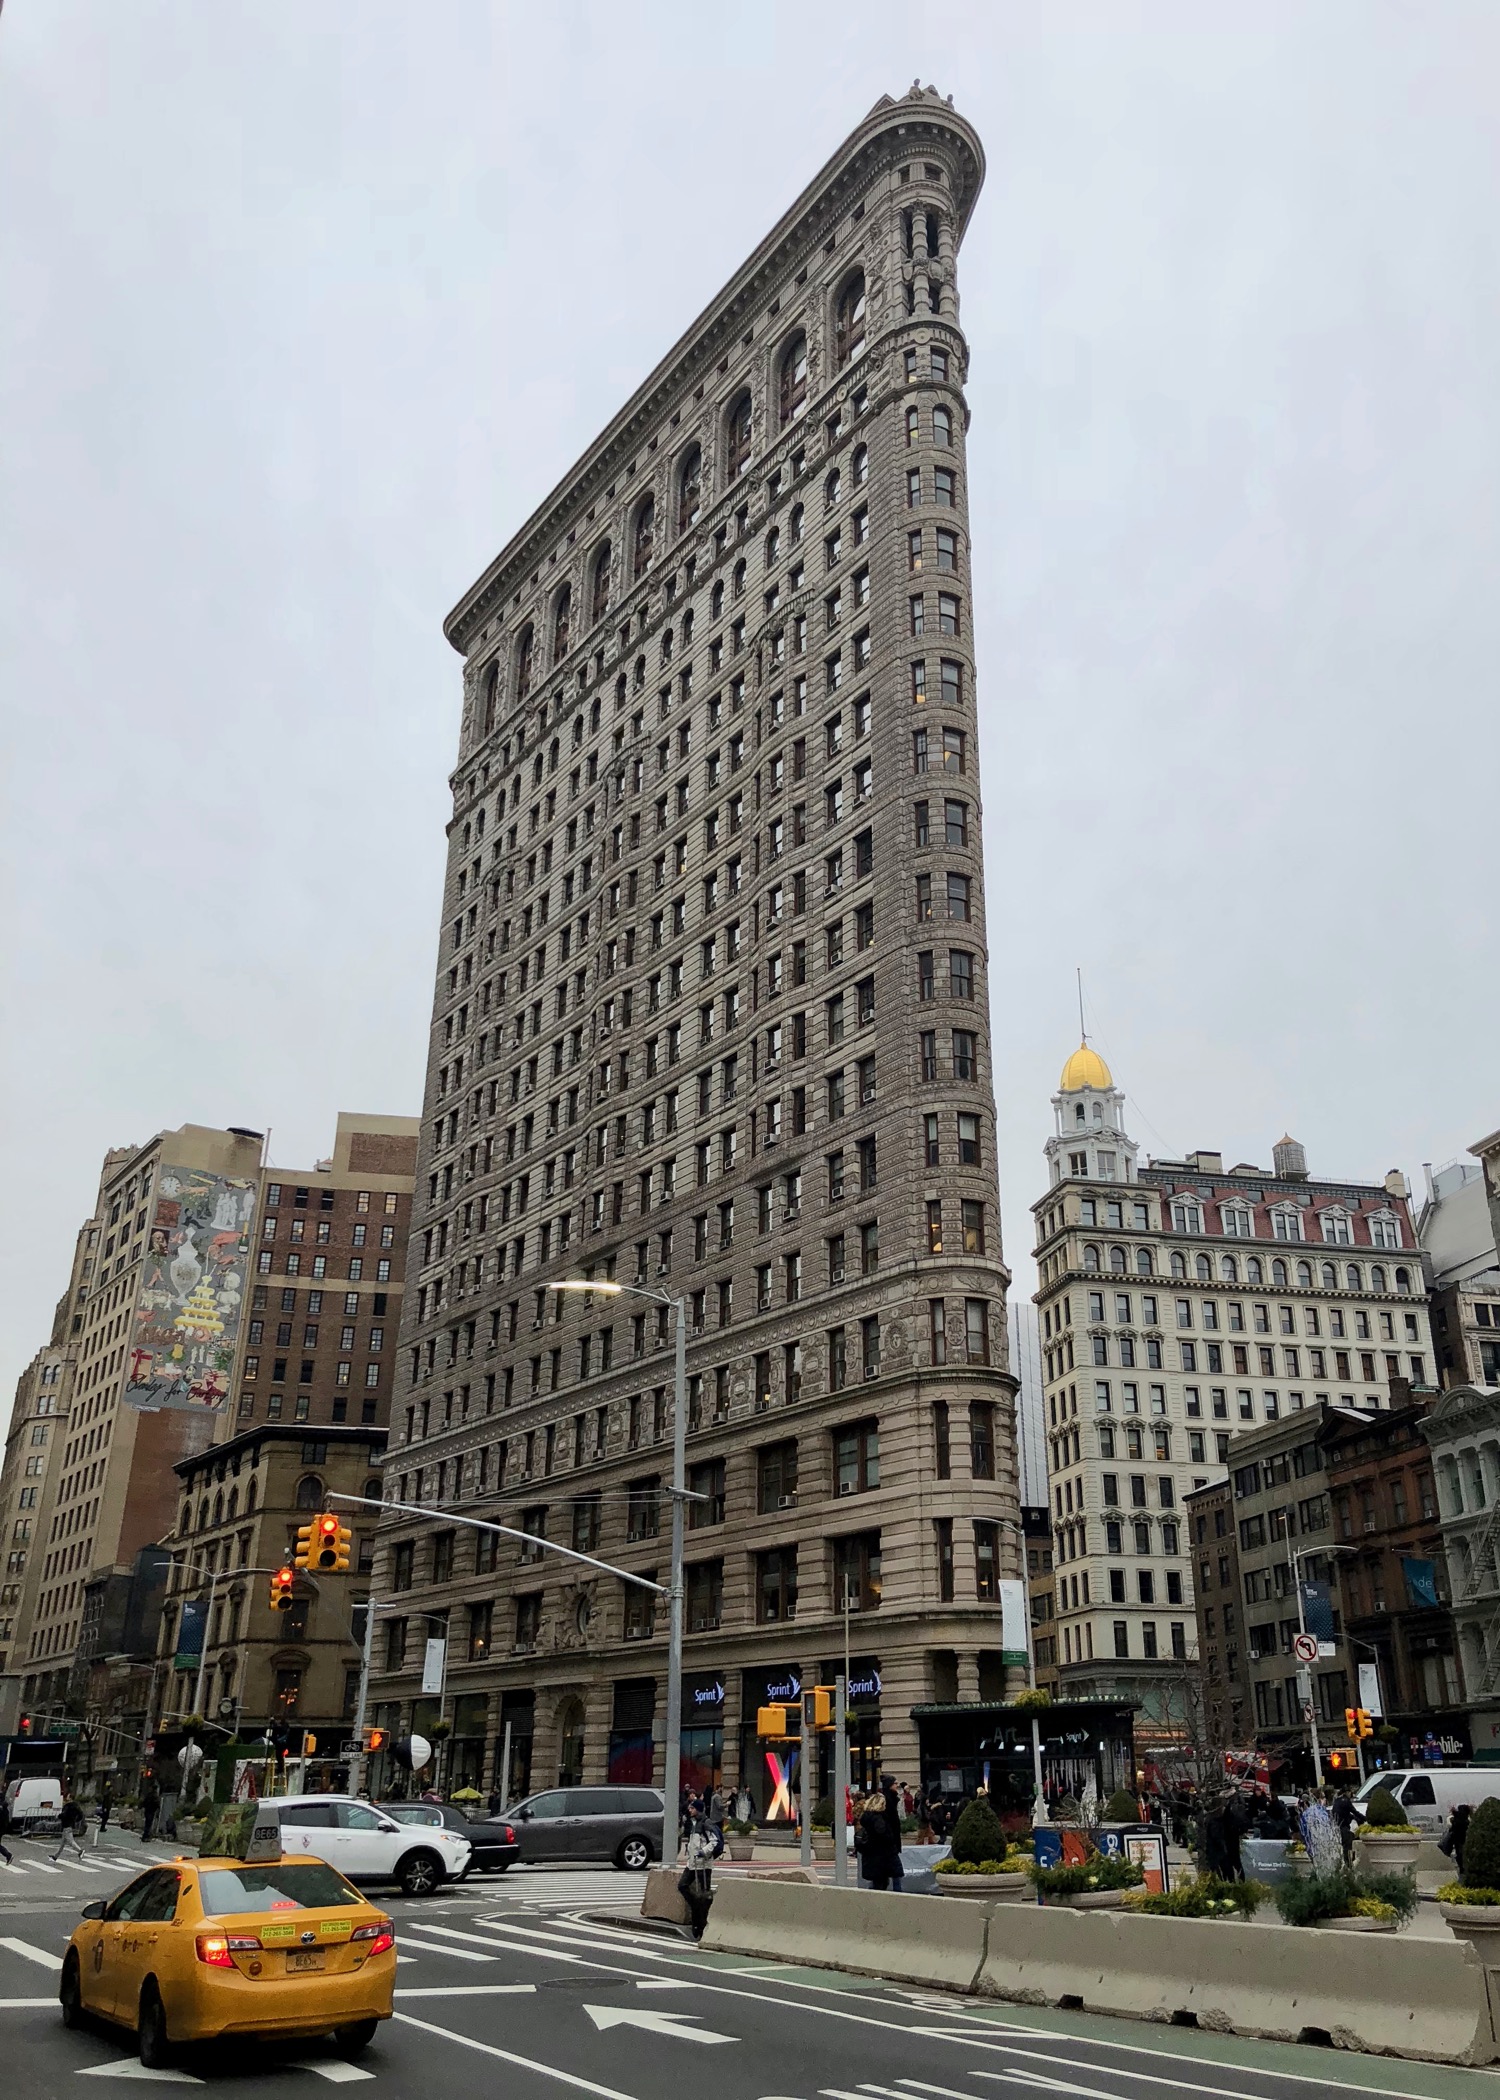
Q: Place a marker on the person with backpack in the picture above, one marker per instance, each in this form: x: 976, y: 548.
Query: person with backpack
x: 70, y: 1823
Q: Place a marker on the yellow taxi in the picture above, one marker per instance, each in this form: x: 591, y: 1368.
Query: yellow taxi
x: 201, y: 1948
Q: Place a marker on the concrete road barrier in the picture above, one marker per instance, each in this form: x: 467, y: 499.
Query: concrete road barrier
x: 1380, y: 1992
x: 662, y: 1897
x: 919, y: 1939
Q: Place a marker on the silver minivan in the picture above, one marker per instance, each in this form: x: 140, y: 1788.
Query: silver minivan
x: 1430, y: 1795
x: 618, y: 1823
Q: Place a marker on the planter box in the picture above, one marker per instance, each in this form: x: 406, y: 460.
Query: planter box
x: 985, y: 1888
x: 740, y: 1848
x: 822, y: 1844
x: 1390, y: 1853
x: 1479, y: 1924
x: 1088, y: 1899
x: 1355, y: 1925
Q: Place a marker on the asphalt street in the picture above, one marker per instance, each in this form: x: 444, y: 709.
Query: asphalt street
x: 513, y: 1986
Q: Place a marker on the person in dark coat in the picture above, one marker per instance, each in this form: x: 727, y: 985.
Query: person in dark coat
x: 892, y: 1801
x: 1455, y: 1837
x: 150, y: 1808
x: 876, y: 1844
x: 1341, y: 1809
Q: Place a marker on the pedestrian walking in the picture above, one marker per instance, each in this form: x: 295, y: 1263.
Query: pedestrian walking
x: 892, y: 1802
x: 4, y: 1830
x: 71, y: 1822
x: 150, y: 1808
x: 1342, y: 1812
x: 496, y: 1801
x: 875, y: 1843
x: 695, y: 1884
x: 106, y: 1803
x: 1455, y: 1837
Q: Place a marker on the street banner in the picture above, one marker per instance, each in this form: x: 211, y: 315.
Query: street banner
x: 1013, y: 1609
x: 1369, y: 1690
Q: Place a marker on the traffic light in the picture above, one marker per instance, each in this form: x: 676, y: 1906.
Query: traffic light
x: 1351, y: 1723
x: 309, y: 1745
x: 817, y: 1708
x: 1342, y: 1760
x: 375, y: 1740
x: 1366, y: 1723
x: 770, y: 1720
x: 330, y: 1544
x: 282, y: 1584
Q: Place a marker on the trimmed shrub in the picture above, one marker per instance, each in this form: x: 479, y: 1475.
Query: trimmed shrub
x: 1207, y: 1897
x: 1310, y: 1898
x: 1383, y: 1811
x: 1121, y: 1808
x: 1096, y: 1873
x: 977, y: 1835
x: 1481, y: 1868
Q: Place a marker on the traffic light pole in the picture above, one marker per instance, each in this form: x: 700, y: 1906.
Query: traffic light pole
x: 367, y: 1648
x: 806, y: 1736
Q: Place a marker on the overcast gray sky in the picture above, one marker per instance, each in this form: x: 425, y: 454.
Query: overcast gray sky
x: 306, y: 305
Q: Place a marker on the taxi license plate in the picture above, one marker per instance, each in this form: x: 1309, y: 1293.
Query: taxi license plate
x: 296, y: 1962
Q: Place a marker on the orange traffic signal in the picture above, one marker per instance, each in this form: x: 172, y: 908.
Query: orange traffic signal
x: 282, y: 1583
x: 331, y: 1543
x: 1351, y: 1722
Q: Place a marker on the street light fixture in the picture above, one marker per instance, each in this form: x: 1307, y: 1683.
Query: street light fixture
x: 672, y: 1758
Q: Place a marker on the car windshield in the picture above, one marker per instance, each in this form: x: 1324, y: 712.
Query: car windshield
x: 304, y: 1885
x: 411, y: 1812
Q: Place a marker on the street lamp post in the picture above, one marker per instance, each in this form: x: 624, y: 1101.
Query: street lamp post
x: 1015, y: 1525
x: 672, y: 1757
x: 1295, y: 1556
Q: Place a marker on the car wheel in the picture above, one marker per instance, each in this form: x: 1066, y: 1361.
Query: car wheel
x: 419, y: 1873
x: 633, y: 1855
x: 70, y: 1993
x: 151, y: 2030
x: 501, y: 1866
x: 350, y: 2040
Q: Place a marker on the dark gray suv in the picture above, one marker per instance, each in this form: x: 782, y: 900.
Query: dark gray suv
x: 619, y: 1823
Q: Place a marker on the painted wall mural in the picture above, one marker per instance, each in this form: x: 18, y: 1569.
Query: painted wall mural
x: 187, y: 1314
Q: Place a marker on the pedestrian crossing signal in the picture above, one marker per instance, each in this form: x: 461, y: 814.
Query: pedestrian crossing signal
x: 375, y: 1740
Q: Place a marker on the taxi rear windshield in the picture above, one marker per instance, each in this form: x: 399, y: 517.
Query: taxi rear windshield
x: 305, y: 1885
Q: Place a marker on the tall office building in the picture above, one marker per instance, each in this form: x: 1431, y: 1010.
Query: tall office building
x: 711, y: 1019
x: 1181, y: 1303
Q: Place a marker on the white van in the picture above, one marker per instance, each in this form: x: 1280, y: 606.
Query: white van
x: 34, y: 1804
x: 1430, y: 1795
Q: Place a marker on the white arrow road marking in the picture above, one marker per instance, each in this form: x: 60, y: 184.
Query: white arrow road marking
x: 127, y: 2067
x: 672, y: 2023
x: 36, y: 1954
x: 331, y: 2068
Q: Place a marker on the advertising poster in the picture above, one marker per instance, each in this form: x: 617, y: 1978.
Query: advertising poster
x: 188, y: 1310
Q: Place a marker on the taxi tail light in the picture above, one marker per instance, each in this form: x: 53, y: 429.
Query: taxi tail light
x: 217, y: 1949
x: 382, y: 1936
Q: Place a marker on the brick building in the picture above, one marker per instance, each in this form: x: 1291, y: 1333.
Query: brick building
x: 1217, y: 1601
x: 711, y: 1019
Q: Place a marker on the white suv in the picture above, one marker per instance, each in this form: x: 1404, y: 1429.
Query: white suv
x: 360, y: 1842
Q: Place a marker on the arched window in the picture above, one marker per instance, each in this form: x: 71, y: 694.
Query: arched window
x: 773, y: 546
x: 690, y: 490
x: 203, y: 1514
x: 1330, y: 1276
x: 859, y: 466
x: 525, y: 654
x: 1143, y: 1262
x: 234, y: 1504
x: 1179, y: 1265
x: 644, y: 538
x: 1353, y: 1279
x: 716, y: 600
x: 1253, y: 1272
x: 1403, y: 1279
x: 187, y: 1517
x: 794, y: 527
x: 738, y: 433
x: 251, y: 1498
x: 219, y: 1507
x: 1377, y: 1278
x: 1204, y: 1268
x: 1278, y: 1275
x: 489, y: 691
x: 1117, y: 1260
x: 913, y: 424
x: 1091, y: 1261
x: 737, y: 581
x: 562, y: 623
x: 849, y: 319
x: 1304, y: 1275
x: 1229, y: 1270
x: 599, y: 603
x: 371, y: 1488
x: 793, y: 387
x: 309, y: 1492
x: 833, y: 488
x: 942, y: 426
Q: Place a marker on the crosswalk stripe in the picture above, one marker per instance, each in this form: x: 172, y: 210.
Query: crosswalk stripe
x: 39, y: 1955
x: 457, y: 1953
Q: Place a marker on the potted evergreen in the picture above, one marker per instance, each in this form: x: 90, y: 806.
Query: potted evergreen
x: 1098, y: 1883
x: 822, y: 1828
x: 980, y: 1862
x: 1471, y: 1904
x: 1387, y: 1842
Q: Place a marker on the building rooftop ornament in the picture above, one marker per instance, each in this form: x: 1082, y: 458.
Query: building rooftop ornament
x: 1085, y: 1068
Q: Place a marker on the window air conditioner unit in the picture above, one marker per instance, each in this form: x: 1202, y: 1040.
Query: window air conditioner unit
x: 786, y: 1502
x: 846, y: 1487
x: 663, y: 1268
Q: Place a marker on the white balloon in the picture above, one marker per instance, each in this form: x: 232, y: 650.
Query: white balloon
x: 421, y: 1752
